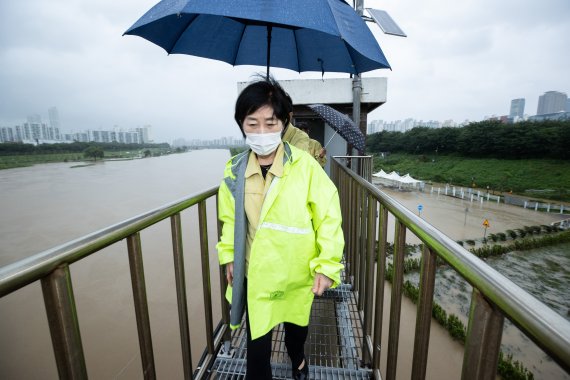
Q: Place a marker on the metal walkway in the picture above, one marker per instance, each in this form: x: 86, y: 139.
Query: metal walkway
x: 333, y: 347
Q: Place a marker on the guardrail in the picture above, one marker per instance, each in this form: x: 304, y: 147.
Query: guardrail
x: 365, y: 216
x: 51, y: 267
x: 494, y: 296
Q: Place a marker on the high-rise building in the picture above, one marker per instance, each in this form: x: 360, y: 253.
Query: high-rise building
x: 517, y: 108
x: 551, y: 102
x: 34, y: 119
x: 144, y: 134
x: 54, y: 118
x: 568, y: 105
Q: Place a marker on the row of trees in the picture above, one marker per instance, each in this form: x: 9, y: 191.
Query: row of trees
x: 8, y: 149
x: 545, y: 139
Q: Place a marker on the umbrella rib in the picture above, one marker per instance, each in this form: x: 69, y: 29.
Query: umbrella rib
x: 180, y: 34
x: 239, y: 45
x: 297, y: 50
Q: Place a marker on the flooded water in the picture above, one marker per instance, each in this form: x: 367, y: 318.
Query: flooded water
x: 544, y: 272
x: 541, y: 272
x: 47, y: 205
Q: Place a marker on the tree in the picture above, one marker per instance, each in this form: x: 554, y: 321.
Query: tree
x: 94, y: 152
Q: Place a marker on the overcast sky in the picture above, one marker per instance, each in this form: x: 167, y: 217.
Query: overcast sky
x: 461, y: 60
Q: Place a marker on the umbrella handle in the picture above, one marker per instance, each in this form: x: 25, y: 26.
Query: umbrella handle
x: 269, y: 28
x: 335, y: 132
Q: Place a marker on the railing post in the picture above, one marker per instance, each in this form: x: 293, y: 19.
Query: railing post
x: 141, y: 305
x: 423, y: 318
x: 483, y: 340
x: 63, y: 324
x: 180, y: 278
x: 396, y: 300
x: 367, y: 346
x: 206, y: 285
x: 223, y: 285
x: 380, y: 281
x: 353, y: 233
x: 362, y: 247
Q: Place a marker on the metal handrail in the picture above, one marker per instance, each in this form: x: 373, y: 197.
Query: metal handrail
x: 494, y: 295
x: 51, y: 267
x: 23, y: 272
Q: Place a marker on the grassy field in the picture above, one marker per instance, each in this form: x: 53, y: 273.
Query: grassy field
x: 16, y: 161
x: 536, y: 178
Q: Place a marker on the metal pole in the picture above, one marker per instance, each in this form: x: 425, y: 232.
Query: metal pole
x: 356, y: 81
x: 141, y: 305
x: 180, y: 278
x: 63, y: 324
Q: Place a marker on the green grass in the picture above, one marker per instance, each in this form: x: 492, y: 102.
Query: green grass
x: 22, y: 160
x: 550, y: 177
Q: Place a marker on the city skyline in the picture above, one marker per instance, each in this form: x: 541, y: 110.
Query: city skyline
x: 548, y: 101
x: 463, y: 61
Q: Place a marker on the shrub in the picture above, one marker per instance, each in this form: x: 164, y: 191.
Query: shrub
x: 439, y: 314
x: 512, y: 234
x: 502, y: 236
x: 508, y: 369
x: 493, y: 237
x: 411, y: 291
x: 459, y: 242
x: 456, y: 328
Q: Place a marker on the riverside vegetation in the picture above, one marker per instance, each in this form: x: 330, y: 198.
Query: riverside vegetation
x: 507, y: 367
x: 530, y: 158
x: 13, y: 155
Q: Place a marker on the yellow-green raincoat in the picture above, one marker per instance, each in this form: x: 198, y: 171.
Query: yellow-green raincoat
x: 299, y: 234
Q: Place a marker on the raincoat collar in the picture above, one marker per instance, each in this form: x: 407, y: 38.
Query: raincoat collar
x: 276, y: 168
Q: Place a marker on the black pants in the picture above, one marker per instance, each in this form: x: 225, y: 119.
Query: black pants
x: 259, y: 350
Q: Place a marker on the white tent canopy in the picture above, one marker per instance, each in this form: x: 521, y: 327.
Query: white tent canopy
x: 399, y: 180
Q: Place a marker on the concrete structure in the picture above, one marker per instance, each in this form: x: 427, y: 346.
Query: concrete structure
x: 337, y: 93
x: 551, y: 102
x: 517, y: 108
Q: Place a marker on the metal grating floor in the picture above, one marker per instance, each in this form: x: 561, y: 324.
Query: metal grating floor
x: 333, y: 347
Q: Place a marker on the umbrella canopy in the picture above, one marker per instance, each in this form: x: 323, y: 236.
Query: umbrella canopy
x: 301, y: 35
x: 341, y: 124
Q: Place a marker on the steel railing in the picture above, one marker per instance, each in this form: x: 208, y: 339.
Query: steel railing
x: 365, y: 218
x: 52, y: 269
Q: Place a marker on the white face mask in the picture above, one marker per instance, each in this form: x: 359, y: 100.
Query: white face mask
x: 263, y: 143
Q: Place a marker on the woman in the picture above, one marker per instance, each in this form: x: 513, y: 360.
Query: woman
x: 281, y: 237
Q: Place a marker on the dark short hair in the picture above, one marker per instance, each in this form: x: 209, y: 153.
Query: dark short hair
x: 266, y: 92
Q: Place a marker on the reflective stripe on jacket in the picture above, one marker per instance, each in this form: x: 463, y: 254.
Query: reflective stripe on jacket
x: 299, y: 234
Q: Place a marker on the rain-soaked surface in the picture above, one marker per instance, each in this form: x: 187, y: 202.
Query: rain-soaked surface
x: 543, y: 272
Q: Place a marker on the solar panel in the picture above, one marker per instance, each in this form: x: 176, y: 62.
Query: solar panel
x: 385, y: 22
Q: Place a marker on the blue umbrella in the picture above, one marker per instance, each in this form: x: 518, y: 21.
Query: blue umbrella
x: 341, y: 124
x: 301, y: 35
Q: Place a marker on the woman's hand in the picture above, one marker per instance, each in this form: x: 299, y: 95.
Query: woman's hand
x: 230, y: 273
x: 321, y: 284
